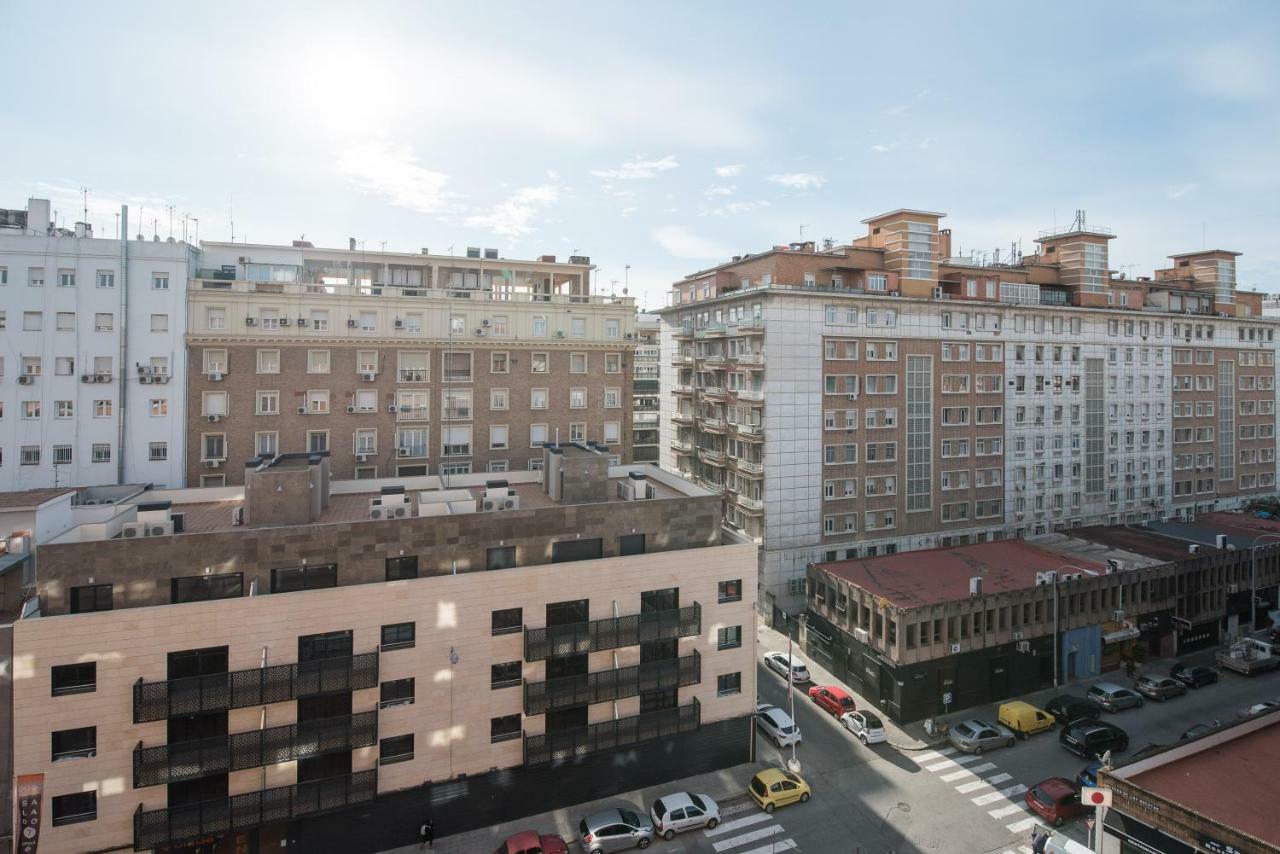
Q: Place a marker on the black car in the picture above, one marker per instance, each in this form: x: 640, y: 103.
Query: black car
x: 1093, y: 738
x: 1066, y: 708
x: 1199, y: 730
x: 1194, y: 677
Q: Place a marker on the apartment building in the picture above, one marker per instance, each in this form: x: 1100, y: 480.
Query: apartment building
x: 400, y: 364
x: 90, y: 340
x: 886, y: 395
x: 648, y: 367
x: 310, y: 649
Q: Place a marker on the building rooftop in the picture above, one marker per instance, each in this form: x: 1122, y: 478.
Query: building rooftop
x: 30, y: 499
x: 898, y: 211
x: 934, y: 576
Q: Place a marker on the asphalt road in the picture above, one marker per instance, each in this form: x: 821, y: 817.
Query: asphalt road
x: 882, y: 799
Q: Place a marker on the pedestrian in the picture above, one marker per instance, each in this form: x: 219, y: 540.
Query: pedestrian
x: 427, y: 835
x: 1129, y: 667
x: 1039, y: 839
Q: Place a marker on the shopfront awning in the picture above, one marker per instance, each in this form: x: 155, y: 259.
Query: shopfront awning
x: 1117, y: 632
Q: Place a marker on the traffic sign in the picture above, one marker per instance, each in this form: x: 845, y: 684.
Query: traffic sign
x: 1091, y: 796
x: 947, y: 699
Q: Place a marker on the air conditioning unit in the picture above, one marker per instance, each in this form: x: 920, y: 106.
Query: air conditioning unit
x: 284, y: 321
x: 1017, y: 634
x: 158, y: 529
x: 212, y: 464
x: 377, y: 512
x: 133, y: 530
x: 403, y: 452
x: 1220, y: 540
x: 102, y: 378
x: 302, y: 321
x: 250, y: 321
x: 937, y: 293
x: 1046, y: 578
x: 484, y: 323
x: 26, y: 379
x: 629, y: 336
x: 1118, y: 615
x: 146, y: 379
x: 215, y: 376
x: 302, y: 410
x: 392, y: 408
x: 84, y: 378
x: 511, y: 502
x: 214, y: 419
x: 480, y: 332
x: 862, y: 635
x: 362, y: 458
x: 398, y: 511
x: 559, y: 333
x: 351, y: 323
x: 237, y: 516
x: 853, y: 396
x: 1023, y: 646
x: 955, y: 648
x: 368, y: 377
x: 399, y: 324
x: 1193, y: 549
x: 1233, y: 588
x: 350, y: 410
x: 487, y: 504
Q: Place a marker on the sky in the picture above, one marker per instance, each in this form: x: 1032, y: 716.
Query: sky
x: 656, y: 138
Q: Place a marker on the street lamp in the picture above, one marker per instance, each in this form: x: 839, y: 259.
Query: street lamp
x: 793, y: 763
x: 1253, y: 581
x: 1056, y: 609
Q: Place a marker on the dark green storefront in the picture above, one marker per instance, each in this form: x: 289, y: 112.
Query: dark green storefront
x: 917, y: 691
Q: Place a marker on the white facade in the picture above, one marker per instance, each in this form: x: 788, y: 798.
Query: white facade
x: 91, y: 343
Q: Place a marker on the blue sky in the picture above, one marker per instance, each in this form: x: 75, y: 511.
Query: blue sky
x: 661, y: 136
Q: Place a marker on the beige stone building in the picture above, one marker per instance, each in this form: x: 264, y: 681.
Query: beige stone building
x: 400, y: 364
x: 315, y: 648
x: 889, y: 394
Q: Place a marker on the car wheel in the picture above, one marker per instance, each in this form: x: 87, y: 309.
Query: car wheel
x: 1022, y: 734
x: 1139, y: 704
x: 1009, y: 743
x: 778, y: 742
x: 1163, y: 697
x: 769, y: 808
x: 644, y: 843
x: 669, y: 835
x: 804, y: 799
x: 863, y: 739
x: 712, y: 822
x: 977, y: 751
x: 1057, y: 822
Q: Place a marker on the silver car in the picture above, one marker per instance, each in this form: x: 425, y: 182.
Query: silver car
x: 975, y: 736
x: 868, y: 728
x: 679, y: 811
x: 614, y: 830
x: 781, y: 663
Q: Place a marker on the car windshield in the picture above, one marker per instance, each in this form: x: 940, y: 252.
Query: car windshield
x: 872, y: 721
x: 792, y: 777
x: 787, y: 728
x: 846, y: 703
x: 1042, y: 796
x: 964, y: 729
x: 757, y: 786
x: 630, y: 818
x: 698, y: 802
x: 659, y: 809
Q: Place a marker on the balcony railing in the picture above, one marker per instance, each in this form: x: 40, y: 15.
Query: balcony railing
x: 1054, y: 297
x: 612, y: 632
x: 712, y: 425
x: 176, y: 826
x: 155, y: 701
x: 750, y: 358
x: 751, y: 394
x: 212, y: 280
x: 682, y: 389
x: 171, y: 763
x: 749, y: 466
x: 608, y: 685
x: 713, y: 391
x: 711, y: 457
x: 754, y: 505
x: 609, y: 735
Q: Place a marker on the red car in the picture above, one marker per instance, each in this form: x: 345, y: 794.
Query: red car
x: 529, y: 842
x: 1056, y: 800
x: 835, y: 700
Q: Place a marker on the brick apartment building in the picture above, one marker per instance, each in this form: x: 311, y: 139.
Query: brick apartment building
x: 399, y: 364
x: 885, y: 395
x: 310, y: 647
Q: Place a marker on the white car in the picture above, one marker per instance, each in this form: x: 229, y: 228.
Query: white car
x: 777, y: 725
x: 1259, y: 708
x: 679, y: 811
x: 868, y: 728
x: 781, y: 663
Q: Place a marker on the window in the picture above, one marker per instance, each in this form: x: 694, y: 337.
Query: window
x: 157, y: 452
x: 613, y: 363
x: 499, y: 363
x: 158, y: 407
x: 577, y: 363
x: 504, y: 728
x: 611, y: 329
x: 537, y: 435
x: 498, y: 437
x: 728, y: 683
x: 35, y: 277
x: 612, y: 433
x: 93, y: 597
x: 730, y: 591
x: 538, y: 363
x: 32, y: 321
x: 398, y: 748
x: 456, y: 441
x: 318, y: 402
x: 294, y: 578
x: 457, y: 367
x: 398, y: 636
x: 500, y: 557
x: 317, y: 361
x: 498, y: 399
x: 159, y: 281
x: 612, y: 398
x: 61, y: 455
x: 66, y: 321
x: 537, y: 398
x: 729, y: 637
x: 268, y: 403
x: 101, y: 452
x: 75, y: 743
x: 215, y: 318
x: 578, y: 327
x: 366, y: 361
x: 159, y: 323
x: 80, y: 678
x: 63, y: 366
x: 29, y: 455
x: 539, y: 326
x: 30, y: 410
x: 74, y: 808
x: 401, y: 568
x: 66, y: 278
x: 215, y: 361
x: 396, y: 692
x: 319, y: 320
x: 102, y: 409
x: 213, y: 403
x: 62, y: 408
x: 504, y: 675
x: 507, y: 621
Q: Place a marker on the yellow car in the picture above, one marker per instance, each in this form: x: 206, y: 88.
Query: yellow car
x: 774, y: 787
x: 1025, y: 719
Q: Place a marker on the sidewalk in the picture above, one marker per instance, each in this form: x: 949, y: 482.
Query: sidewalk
x: 727, y: 787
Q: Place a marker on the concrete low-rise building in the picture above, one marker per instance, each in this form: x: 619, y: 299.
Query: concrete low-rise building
x: 310, y: 647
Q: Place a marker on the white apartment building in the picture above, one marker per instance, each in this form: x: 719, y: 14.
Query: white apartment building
x: 91, y: 341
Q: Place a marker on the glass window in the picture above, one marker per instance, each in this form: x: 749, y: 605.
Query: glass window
x: 399, y: 636
x: 507, y: 621
x: 398, y: 748
x: 80, y: 678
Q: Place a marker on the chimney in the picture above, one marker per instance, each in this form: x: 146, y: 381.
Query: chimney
x: 351, y: 244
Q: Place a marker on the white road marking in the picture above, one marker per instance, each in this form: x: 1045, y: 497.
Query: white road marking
x: 998, y: 779
x: 983, y: 768
x: 956, y: 775
x: 738, y: 823
x: 951, y: 763
x: 972, y: 787
x: 1022, y: 826
x: 1005, y: 812
x: 929, y: 755
x: 781, y: 845
x: 992, y: 797
x: 753, y: 836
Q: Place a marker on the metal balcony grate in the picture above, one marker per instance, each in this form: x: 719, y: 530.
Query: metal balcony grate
x: 609, y: 735
x: 608, y: 685
x: 612, y: 632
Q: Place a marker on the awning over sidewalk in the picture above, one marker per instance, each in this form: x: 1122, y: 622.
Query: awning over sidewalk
x: 1117, y: 632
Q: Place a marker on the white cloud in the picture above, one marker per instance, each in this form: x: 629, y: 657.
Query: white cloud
x: 1232, y: 69
x: 626, y: 212
x: 553, y: 175
x: 799, y: 180
x: 682, y: 243
x: 897, y: 110
x: 724, y: 190
x: 1180, y: 191
x: 881, y: 149
x: 634, y: 170
x: 512, y: 216
x: 392, y: 171
x: 730, y: 170
x: 736, y: 208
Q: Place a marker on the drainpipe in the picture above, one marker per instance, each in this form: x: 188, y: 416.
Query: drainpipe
x: 122, y: 373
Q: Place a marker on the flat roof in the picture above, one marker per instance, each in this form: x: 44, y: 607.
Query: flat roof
x: 1226, y: 780
x: 30, y: 498
x: 1141, y: 541
x: 374, y: 256
x: 934, y: 576
x: 888, y: 214
x: 1205, y: 252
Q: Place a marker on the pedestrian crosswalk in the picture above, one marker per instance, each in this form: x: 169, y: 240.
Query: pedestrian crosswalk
x: 994, y: 791
x: 753, y: 833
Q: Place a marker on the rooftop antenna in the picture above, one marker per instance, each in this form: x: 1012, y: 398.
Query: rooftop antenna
x: 118, y: 234
x: 233, y: 219
x: 197, y: 222
x: 803, y: 226
x: 155, y: 228
x: 996, y: 256
x: 626, y: 279
x: 170, y: 207
x: 84, y: 194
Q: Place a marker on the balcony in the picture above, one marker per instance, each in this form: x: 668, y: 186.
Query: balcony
x: 682, y: 333
x: 712, y: 425
x: 750, y: 326
x: 156, y: 701
x: 685, y: 418
x: 713, y: 391
x: 711, y: 457
x: 754, y: 395
x: 682, y: 389
x: 750, y: 359
x: 608, y: 685
x: 609, y: 735
x: 177, y: 826
x: 750, y: 505
x: 413, y: 375
x: 413, y: 413
x: 750, y: 432
x: 679, y: 359
x: 172, y: 763
x: 749, y: 467
x: 1054, y: 297
x: 612, y: 632
x: 681, y: 447
x: 711, y: 330
x: 714, y: 360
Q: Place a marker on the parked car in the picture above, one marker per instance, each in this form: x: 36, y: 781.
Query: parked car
x: 529, y: 842
x: 777, y: 725
x: 1259, y: 708
x: 1088, y: 775
x: 774, y: 787
x: 1068, y: 707
x: 780, y: 663
x: 1113, y: 697
x: 1024, y: 718
x: 1194, y: 677
x: 1056, y: 800
x: 1150, y: 750
x: 1199, y: 729
x: 1160, y: 687
x: 867, y: 727
x: 975, y: 736
x: 680, y: 811
x: 614, y: 830
x: 832, y: 698
x: 1091, y: 739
